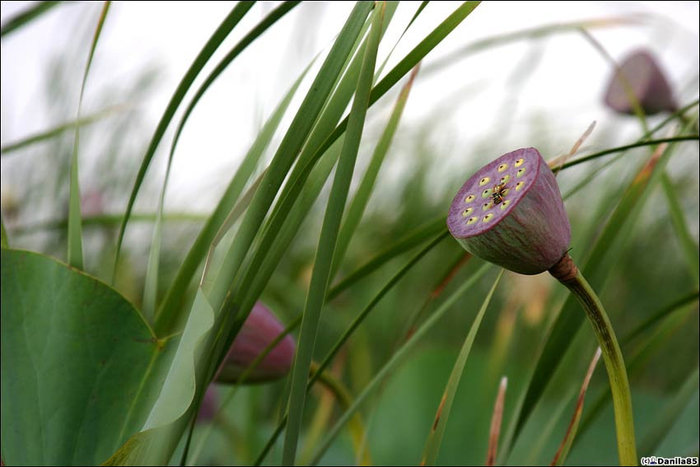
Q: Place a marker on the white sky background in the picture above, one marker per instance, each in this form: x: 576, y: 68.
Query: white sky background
x: 565, y: 89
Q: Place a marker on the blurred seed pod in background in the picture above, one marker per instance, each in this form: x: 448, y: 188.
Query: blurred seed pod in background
x: 258, y: 331
x: 640, y: 73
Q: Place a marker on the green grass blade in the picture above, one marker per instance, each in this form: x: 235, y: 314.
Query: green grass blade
x: 359, y: 319
x: 58, y: 130
x: 402, y: 245
x: 361, y: 198
x: 3, y: 237
x: 396, y: 359
x: 26, y: 17
x: 209, y: 48
x: 75, y: 233
x: 602, y: 253
x: 663, y: 313
x: 668, y: 415
x: 639, y: 144
x: 166, y: 315
x: 432, y: 445
x: 107, y: 220
x: 690, y: 249
x: 567, y: 442
x: 151, y: 283
x: 288, y: 149
x: 327, y: 242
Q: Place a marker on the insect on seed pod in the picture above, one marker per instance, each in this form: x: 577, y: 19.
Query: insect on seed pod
x: 510, y: 212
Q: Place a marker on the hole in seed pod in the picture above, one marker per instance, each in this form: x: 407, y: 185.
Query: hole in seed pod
x: 486, y: 193
x: 505, y: 179
x: 488, y: 217
x: 504, y: 204
x: 519, y: 162
x: 520, y: 172
x: 469, y: 199
x: 502, y: 167
x: 466, y: 212
x: 487, y: 206
x: 484, y: 181
x: 519, y: 185
x: 472, y: 220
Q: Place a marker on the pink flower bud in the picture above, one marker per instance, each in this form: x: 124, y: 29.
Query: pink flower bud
x: 258, y: 331
x: 510, y: 213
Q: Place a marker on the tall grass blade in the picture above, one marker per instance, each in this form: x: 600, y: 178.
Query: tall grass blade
x: 353, y: 327
x: 209, y: 48
x: 75, y: 233
x: 688, y: 245
x: 327, y: 242
x: 396, y: 359
x: 668, y: 415
x: 361, y: 198
x: 4, y: 242
x: 496, y: 421
x: 151, y: 283
x: 26, y: 17
x: 432, y: 445
x: 565, y: 446
x: 59, y: 129
x: 172, y: 302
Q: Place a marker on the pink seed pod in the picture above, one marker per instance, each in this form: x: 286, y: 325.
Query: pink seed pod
x: 258, y: 331
x: 642, y: 73
x: 209, y: 405
x: 510, y: 212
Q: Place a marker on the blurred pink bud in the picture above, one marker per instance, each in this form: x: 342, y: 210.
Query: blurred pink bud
x: 642, y: 73
x: 258, y: 331
x: 209, y: 405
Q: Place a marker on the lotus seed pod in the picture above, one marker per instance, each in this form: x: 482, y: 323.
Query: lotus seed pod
x: 208, y: 407
x: 510, y: 213
x: 642, y: 73
x: 258, y: 331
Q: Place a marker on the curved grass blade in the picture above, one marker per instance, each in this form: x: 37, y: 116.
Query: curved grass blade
x: 602, y: 253
x: 327, y: 242
x: 690, y: 249
x: 288, y: 149
x: 209, y: 48
x: 496, y: 419
x: 526, y: 34
x: 26, y: 17
x: 151, y: 283
x: 668, y: 415
x: 59, y: 129
x: 75, y: 234
x: 361, y: 198
x: 309, y: 158
x: 432, y: 445
x: 652, y: 142
x: 166, y: 314
x: 351, y: 329
x: 565, y: 446
x: 402, y: 245
x: 397, y: 358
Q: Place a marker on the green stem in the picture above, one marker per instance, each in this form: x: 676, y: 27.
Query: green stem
x: 619, y: 385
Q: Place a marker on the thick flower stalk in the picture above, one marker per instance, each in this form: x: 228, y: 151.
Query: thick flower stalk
x: 258, y: 332
x: 510, y: 212
x: 639, y: 74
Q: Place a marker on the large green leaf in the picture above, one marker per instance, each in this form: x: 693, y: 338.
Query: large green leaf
x: 81, y: 368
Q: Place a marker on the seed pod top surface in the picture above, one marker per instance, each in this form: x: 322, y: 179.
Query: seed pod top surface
x: 642, y: 73
x: 510, y: 212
